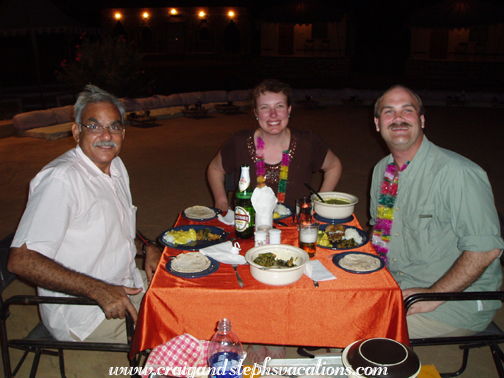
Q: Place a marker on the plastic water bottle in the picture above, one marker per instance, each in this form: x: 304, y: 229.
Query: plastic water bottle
x: 225, y: 353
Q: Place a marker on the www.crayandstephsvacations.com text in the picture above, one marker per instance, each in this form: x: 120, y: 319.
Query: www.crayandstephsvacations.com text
x: 255, y: 371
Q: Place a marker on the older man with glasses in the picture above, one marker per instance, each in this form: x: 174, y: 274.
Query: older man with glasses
x: 77, y: 235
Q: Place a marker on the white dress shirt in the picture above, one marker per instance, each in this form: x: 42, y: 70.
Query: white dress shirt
x: 85, y: 220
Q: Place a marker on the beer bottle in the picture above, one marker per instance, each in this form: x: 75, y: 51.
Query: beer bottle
x: 244, y: 211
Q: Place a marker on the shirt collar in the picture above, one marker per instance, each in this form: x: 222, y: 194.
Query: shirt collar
x: 91, y: 168
x: 420, y: 154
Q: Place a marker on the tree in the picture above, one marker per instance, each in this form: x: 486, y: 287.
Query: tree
x: 110, y: 63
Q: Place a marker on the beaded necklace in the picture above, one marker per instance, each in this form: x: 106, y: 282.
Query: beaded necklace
x: 261, y: 171
x: 385, y: 213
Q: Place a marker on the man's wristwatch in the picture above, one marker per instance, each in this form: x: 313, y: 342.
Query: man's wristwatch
x: 145, y: 244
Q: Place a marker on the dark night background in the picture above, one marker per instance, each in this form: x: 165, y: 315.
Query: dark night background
x: 378, y: 50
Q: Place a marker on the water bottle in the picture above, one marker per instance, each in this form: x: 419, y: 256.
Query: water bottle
x: 225, y: 353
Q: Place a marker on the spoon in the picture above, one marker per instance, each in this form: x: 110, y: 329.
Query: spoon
x: 314, y: 192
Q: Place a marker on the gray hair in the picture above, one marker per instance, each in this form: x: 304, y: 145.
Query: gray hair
x: 92, y: 94
x: 421, y: 109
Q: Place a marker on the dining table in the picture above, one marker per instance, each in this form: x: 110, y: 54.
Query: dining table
x: 336, y: 313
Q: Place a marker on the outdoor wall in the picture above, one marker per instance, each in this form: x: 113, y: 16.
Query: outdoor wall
x: 327, y: 39
x: 187, y: 32
x: 483, y: 44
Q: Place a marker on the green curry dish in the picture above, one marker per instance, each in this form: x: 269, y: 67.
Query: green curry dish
x: 269, y: 259
x: 337, y: 201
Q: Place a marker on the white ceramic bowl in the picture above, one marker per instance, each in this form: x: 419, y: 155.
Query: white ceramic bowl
x: 278, y: 276
x: 332, y: 211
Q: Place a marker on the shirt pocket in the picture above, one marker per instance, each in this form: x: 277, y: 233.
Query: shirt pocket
x: 130, y: 221
x: 421, y: 230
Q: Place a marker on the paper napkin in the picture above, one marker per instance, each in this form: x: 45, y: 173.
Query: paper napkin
x: 264, y: 202
x: 228, y: 219
x: 318, y: 272
x: 226, y: 253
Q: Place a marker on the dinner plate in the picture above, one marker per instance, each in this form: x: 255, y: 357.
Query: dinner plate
x: 365, y: 238
x: 333, y: 221
x: 336, y: 261
x: 217, y: 211
x: 197, y: 244
x: 285, y: 216
x: 214, y: 266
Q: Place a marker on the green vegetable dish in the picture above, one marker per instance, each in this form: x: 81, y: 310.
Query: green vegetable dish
x: 269, y: 259
x: 337, y: 201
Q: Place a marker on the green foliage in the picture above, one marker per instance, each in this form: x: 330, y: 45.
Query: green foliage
x: 110, y: 63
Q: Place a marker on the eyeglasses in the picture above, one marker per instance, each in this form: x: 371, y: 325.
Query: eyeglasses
x: 95, y: 128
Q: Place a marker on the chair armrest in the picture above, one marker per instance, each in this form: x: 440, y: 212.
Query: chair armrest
x: 82, y: 301
x: 458, y: 296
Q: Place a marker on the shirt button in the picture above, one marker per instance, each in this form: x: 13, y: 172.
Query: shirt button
x: 400, y: 273
x: 397, y: 208
x: 396, y: 234
x: 394, y: 259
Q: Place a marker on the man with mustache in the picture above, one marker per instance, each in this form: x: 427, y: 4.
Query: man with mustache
x: 435, y: 222
x: 77, y: 235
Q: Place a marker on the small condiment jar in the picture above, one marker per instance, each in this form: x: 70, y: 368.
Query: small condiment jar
x: 260, y: 238
x: 266, y: 229
x: 275, y: 236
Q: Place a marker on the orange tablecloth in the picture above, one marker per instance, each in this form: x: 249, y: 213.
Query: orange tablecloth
x: 339, y: 312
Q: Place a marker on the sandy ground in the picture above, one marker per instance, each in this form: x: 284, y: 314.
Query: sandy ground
x: 167, y: 167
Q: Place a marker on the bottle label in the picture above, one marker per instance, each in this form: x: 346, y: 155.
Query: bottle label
x: 242, y: 218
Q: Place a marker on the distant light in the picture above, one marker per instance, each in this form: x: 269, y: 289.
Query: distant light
x: 202, y: 14
x: 145, y: 15
x: 173, y: 12
x: 118, y: 16
x: 231, y: 14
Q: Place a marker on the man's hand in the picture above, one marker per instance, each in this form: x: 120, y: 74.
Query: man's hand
x: 422, y: 306
x: 114, y: 301
x: 152, y: 257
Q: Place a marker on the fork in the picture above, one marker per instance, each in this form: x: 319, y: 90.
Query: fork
x: 240, y: 282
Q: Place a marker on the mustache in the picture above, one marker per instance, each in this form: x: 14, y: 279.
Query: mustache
x: 401, y: 124
x: 105, y: 143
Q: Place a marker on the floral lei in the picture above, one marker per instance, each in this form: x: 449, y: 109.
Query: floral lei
x: 261, y: 170
x: 385, y: 214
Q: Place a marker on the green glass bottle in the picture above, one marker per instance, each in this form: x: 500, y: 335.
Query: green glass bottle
x: 244, y: 211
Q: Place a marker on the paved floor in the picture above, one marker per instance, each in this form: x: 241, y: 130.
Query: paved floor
x: 167, y: 169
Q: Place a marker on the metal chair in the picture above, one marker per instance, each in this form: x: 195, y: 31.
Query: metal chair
x: 492, y: 336
x: 39, y: 340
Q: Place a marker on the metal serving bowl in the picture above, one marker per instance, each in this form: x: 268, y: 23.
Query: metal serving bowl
x: 333, y: 211
x: 278, y: 276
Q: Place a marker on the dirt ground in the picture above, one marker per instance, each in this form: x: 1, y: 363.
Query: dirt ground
x: 167, y: 165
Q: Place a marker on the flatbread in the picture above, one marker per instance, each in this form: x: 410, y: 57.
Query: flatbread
x: 191, y: 262
x: 199, y: 212
x: 360, y: 263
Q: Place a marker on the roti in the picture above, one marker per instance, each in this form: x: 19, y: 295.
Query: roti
x: 360, y: 263
x: 199, y: 212
x: 191, y: 262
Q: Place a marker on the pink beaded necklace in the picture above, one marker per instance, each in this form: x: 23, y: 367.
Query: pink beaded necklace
x: 261, y: 170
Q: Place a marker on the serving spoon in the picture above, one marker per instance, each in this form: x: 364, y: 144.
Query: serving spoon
x: 314, y: 192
